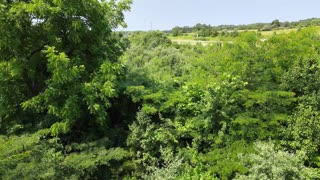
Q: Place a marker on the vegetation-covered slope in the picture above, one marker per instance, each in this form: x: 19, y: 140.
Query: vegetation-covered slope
x: 208, y: 104
x: 78, y: 101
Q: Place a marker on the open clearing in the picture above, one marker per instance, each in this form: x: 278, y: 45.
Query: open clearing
x: 189, y: 38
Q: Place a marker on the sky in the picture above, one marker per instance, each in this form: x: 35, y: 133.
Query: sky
x: 166, y: 14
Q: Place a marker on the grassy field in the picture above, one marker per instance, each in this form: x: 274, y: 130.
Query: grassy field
x: 277, y: 31
x: 190, y: 38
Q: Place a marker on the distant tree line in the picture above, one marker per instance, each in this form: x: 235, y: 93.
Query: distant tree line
x: 204, y: 30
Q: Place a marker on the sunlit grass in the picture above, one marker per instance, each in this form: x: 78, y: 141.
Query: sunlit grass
x: 190, y: 38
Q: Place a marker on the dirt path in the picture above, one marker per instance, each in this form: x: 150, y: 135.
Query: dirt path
x: 193, y: 42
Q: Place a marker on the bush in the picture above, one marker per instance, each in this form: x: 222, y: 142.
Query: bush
x: 270, y: 163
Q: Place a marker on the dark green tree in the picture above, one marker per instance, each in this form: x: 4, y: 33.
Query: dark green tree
x: 275, y: 23
x: 59, y: 73
x: 58, y: 59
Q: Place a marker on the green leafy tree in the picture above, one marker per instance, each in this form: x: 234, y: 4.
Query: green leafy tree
x: 275, y: 23
x: 176, y: 31
x: 303, y: 128
x: 55, y: 55
x: 59, y: 73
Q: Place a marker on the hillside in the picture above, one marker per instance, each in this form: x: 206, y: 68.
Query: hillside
x: 206, y: 34
x: 79, y: 100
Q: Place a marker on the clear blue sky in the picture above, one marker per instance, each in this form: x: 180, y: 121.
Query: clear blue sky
x: 165, y: 14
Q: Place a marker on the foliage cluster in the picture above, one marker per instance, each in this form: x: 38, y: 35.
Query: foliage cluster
x: 79, y: 101
x: 208, y: 104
